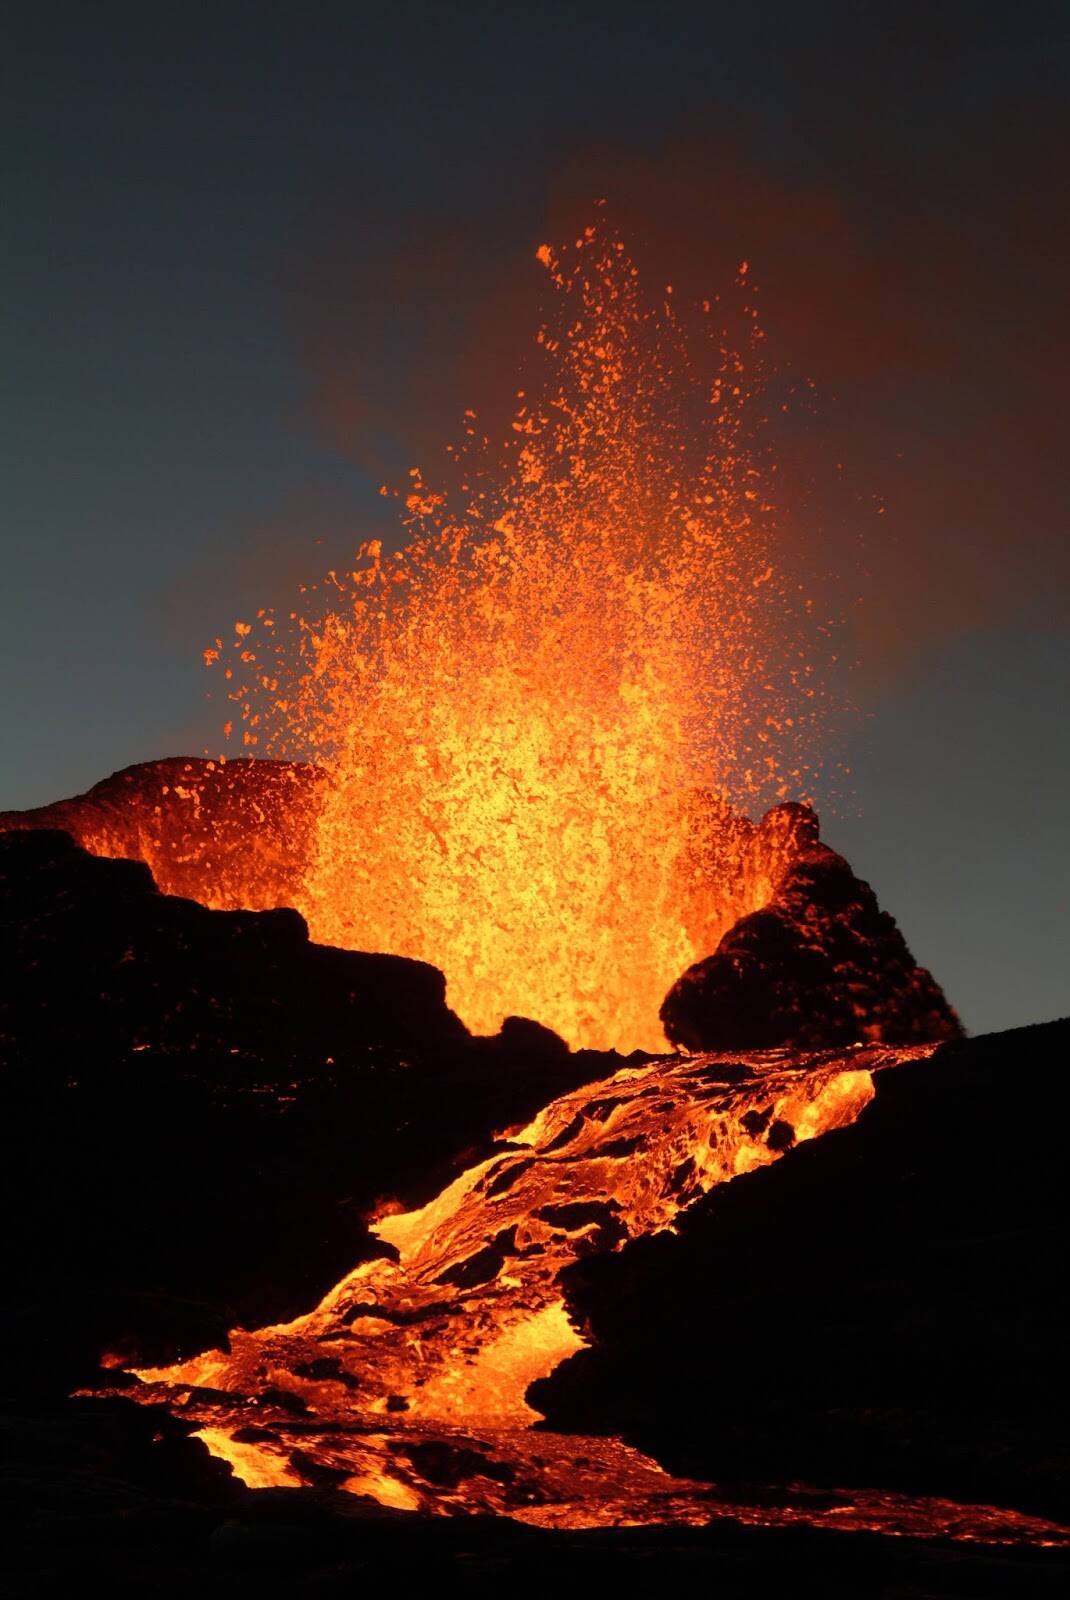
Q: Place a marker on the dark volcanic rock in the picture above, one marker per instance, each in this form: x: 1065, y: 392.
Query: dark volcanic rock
x: 202, y: 1107
x: 142, y: 971
x: 821, y: 965
x: 886, y: 1306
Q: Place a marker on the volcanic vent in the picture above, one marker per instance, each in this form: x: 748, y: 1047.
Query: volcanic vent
x: 533, y: 730
x: 799, y: 953
x: 534, y: 717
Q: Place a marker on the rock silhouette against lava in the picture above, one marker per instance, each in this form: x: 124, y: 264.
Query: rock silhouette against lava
x: 820, y: 965
x: 205, y: 1105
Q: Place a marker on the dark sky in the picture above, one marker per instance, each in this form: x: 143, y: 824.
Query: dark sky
x: 259, y: 256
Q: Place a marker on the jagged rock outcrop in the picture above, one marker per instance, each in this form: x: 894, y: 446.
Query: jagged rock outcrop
x: 140, y: 970
x: 819, y: 965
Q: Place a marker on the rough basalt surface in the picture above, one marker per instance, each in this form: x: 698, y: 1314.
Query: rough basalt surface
x: 821, y: 965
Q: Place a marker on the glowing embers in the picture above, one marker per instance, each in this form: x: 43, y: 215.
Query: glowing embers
x: 517, y: 711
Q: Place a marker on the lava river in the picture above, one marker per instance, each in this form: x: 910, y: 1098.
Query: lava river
x: 406, y: 1385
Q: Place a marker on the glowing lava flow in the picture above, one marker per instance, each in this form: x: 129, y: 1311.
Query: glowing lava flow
x: 526, y: 715
x: 407, y: 1383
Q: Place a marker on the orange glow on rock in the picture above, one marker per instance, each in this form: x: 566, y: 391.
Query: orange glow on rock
x: 255, y: 1464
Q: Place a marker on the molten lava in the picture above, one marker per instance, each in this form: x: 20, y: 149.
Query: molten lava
x: 470, y: 1314
x: 406, y: 1385
x: 531, y: 716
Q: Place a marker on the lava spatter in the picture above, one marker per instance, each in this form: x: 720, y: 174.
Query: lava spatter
x: 530, y: 716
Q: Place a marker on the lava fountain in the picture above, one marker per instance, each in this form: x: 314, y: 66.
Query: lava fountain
x: 533, y: 715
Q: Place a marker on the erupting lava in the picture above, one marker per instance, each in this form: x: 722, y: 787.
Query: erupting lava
x: 529, y: 731
x: 531, y: 716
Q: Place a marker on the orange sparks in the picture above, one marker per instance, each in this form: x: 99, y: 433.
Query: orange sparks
x: 526, y: 713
